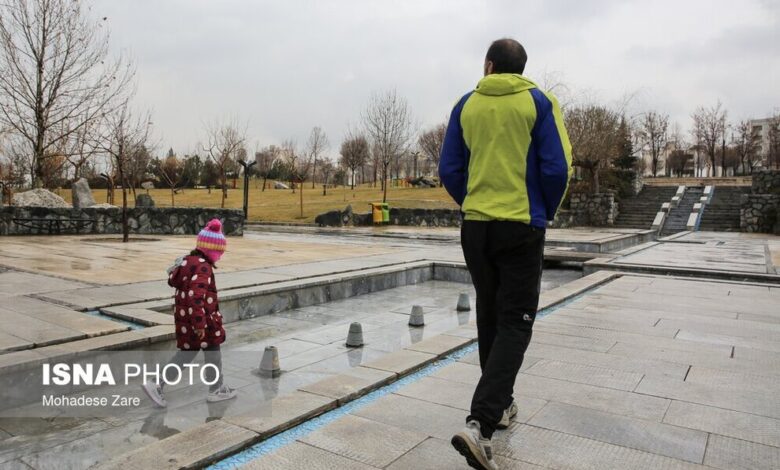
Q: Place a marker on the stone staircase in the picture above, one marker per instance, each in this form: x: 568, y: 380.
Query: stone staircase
x: 722, y: 212
x: 677, y: 220
x: 639, y: 211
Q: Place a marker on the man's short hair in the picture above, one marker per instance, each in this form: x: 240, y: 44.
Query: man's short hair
x: 507, y: 55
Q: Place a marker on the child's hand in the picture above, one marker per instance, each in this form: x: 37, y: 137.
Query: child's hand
x: 201, y: 333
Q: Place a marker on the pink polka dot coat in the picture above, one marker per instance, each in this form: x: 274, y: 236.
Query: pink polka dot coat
x: 196, y: 305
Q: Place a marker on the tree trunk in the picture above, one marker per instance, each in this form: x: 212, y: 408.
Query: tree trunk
x: 223, y: 182
x: 384, y: 184
x: 172, y: 194
x: 596, y: 186
x: 301, y: 193
x: 125, y: 225
x: 265, y: 178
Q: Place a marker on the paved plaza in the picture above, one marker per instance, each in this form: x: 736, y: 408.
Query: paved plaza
x: 650, y: 385
x: 641, y: 364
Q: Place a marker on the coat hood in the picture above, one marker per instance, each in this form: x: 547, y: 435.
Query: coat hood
x: 499, y: 84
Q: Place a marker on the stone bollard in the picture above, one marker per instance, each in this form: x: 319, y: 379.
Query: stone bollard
x: 269, y: 364
x: 464, y: 304
x: 417, y: 318
x: 355, y: 335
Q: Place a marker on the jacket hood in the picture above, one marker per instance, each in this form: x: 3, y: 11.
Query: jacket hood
x: 499, y: 84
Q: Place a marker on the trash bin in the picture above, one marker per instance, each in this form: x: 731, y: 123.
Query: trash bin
x: 376, y: 212
x: 385, y: 213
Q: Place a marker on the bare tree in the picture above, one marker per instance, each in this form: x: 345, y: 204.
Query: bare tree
x: 654, y: 132
x: 225, y: 141
x: 326, y: 170
x: 594, y: 135
x: 316, y: 147
x: 124, y: 134
x: 354, y: 153
x: 292, y: 157
x: 388, y: 121
x: 431, y: 141
x: 747, y: 145
x: 81, y: 146
x: 265, y: 159
x: 709, y: 128
x: 676, y: 162
x: 137, y: 167
x: 171, y: 171
x: 55, y: 74
x: 552, y: 81
x: 300, y: 165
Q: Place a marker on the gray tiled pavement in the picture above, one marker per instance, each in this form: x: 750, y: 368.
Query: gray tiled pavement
x: 617, y: 396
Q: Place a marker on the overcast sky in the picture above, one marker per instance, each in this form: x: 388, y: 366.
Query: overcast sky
x: 286, y: 66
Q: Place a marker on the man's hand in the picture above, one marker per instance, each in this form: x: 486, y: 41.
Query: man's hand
x: 201, y: 333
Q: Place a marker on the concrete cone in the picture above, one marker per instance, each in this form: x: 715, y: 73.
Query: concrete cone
x: 269, y: 364
x: 355, y: 335
x: 417, y: 318
x: 464, y: 304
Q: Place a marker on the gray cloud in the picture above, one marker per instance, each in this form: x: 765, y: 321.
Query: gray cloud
x: 288, y: 66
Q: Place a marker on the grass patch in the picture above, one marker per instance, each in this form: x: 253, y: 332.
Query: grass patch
x: 279, y: 205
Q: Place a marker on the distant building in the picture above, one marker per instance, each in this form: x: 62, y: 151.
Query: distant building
x: 761, y: 127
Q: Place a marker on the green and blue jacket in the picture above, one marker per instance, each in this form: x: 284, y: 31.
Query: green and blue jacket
x: 506, y: 153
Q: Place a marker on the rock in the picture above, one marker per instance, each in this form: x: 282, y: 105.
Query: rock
x: 346, y: 215
x: 280, y: 185
x: 40, y: 198
x: 329, y: 219
x: 82, y: 195
x: 144, y: 200
x: 104, y: 205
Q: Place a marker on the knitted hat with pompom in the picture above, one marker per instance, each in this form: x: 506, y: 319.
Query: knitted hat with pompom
x: 211, y: 242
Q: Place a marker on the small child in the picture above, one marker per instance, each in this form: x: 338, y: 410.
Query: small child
x: 196, y: 313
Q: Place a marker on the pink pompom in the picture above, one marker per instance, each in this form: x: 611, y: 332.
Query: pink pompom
x: 214, y: 225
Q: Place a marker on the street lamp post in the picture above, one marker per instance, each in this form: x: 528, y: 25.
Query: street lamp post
x: 246, y: 166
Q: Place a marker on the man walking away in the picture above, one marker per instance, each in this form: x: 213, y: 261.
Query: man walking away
x: 506, y: 161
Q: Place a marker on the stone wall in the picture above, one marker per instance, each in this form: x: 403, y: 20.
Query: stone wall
x: 15, y: 220
x: 594, y: 210
x: 760, y: 210
x: 409, y: 217
x: 563, y: 219
x: 586, y: 210
x: 766, y: 182
x: 759, y: 213
x: 426, y: 217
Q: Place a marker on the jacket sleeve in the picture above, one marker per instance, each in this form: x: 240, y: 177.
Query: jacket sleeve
x: 553, y: 151
x: 454, y: 158
x: 198, y: 293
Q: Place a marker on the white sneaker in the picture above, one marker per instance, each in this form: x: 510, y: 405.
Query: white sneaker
x: 155, y: 393
x: 509, y: 415
x: 477, y: 450
x: 221, y: 394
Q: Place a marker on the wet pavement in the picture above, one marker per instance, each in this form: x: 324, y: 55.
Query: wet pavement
x: 642, y: 372
x: 311, y: 347
x: 672, y: 360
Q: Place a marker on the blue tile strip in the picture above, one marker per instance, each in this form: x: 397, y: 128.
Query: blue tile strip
x: 291, y: 435
x: 287, y: 437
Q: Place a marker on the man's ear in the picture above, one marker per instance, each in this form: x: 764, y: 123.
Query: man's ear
x: 488, y: 67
